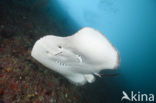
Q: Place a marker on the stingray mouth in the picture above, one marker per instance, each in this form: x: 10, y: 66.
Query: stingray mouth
x: 78, y: 60
x: 57, y: 53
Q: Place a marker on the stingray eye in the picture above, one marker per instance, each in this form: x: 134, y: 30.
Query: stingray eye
x: 60, y: 47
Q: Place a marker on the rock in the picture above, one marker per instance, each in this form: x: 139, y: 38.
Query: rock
x: 7, y: 32
x: 1, y: 91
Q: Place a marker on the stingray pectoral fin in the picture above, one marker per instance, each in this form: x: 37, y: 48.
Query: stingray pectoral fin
x: 96, y: 48
x: 76, y: 78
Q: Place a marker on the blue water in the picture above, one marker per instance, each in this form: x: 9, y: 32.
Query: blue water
x: 131, y: 26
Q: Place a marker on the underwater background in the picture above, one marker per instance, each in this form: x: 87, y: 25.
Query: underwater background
x: 129, y: 24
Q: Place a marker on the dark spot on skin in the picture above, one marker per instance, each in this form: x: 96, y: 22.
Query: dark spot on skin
x: 60, y: 47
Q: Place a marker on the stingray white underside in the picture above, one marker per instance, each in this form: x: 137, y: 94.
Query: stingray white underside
x: 78, y: 57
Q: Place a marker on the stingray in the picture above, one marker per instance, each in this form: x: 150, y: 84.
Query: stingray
x: 79, y: 57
